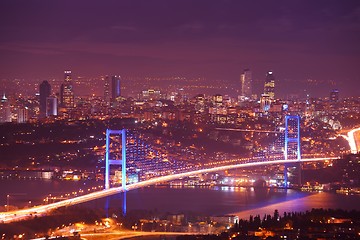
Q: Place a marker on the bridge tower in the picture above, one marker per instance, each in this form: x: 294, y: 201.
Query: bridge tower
x: 109, y: 161
x: 292, y: 144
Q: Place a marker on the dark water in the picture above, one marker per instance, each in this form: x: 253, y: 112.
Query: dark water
x: 22, y: 191
x: 210, y: 201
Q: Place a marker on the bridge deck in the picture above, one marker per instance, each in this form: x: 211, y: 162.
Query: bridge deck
x: 43, y: 209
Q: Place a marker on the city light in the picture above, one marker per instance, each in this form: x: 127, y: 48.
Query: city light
x: 184, y: 118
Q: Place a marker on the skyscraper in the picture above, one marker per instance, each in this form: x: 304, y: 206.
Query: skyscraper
x: 265, y: 103
x: 269, y: 86
x: 334, y: 96
x: 51, y: 106
x: 106, y: 80
x: 67, y: 92
x: 45, y: 91
x: 246, y: 81
x: 115, y: 88
x: 5, y: 113
x: 23, y: 115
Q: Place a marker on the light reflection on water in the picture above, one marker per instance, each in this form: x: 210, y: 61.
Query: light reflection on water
x: 306, y: 203
x: 237, y: 201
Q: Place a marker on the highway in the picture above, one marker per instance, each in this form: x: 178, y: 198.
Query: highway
x: 18, y: 215
x: 353, y: 141
x: 132, y: 234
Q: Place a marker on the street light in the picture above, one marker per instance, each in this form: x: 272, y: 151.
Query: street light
x: 134, y: 227
x: 7, y: 202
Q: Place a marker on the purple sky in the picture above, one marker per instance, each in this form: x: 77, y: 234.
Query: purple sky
x: 216, y: 39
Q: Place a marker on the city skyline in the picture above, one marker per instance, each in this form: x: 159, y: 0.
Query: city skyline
x: 200, y: 119
x: 217, y: 40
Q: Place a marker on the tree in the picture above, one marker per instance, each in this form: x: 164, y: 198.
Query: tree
x: 276, y: 215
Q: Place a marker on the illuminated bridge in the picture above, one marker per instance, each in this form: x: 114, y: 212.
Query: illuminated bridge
x: 246, y: 130
x: 44, y: 209
x: 119, y: 140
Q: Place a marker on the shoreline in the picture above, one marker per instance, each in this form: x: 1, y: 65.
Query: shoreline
x: 315, y: 200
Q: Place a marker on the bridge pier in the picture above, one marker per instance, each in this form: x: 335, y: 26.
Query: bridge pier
x: 285, y: 176
x: 298, y: 173
x: 124, y: 204
x: 107, y: 203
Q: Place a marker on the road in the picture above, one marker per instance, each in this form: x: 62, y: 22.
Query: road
x: 353, y: 137
x: 130, y: 234
x: 357, y: 139
x: 108, y: 231
x: 41, y: 210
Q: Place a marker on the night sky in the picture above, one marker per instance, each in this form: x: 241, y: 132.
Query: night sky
x: 215, y: 39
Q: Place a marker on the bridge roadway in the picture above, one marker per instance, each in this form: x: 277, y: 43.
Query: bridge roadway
x: 41, y: 210
x: 246, y: 130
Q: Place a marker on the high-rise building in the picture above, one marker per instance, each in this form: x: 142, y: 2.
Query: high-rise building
x: 269, y: 86
x: 106, y: 80
x: 246, y: 82
x: 334, y: 96
x: 265, y: 103
x: 23, y: 115
x: 67, y: 92
x: 51, y: 106
x: 217, y: 100
x: 5, y: 113
x: 115, y: 88
x: 150, y: 94
x: 45, y: 91
x: 200, y: 103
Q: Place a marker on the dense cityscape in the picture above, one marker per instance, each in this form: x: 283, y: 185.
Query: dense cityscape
x: 180, y: 140
x: 60, y: 136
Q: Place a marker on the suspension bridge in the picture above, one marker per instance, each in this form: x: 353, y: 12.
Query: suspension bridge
x: 291, y: 155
